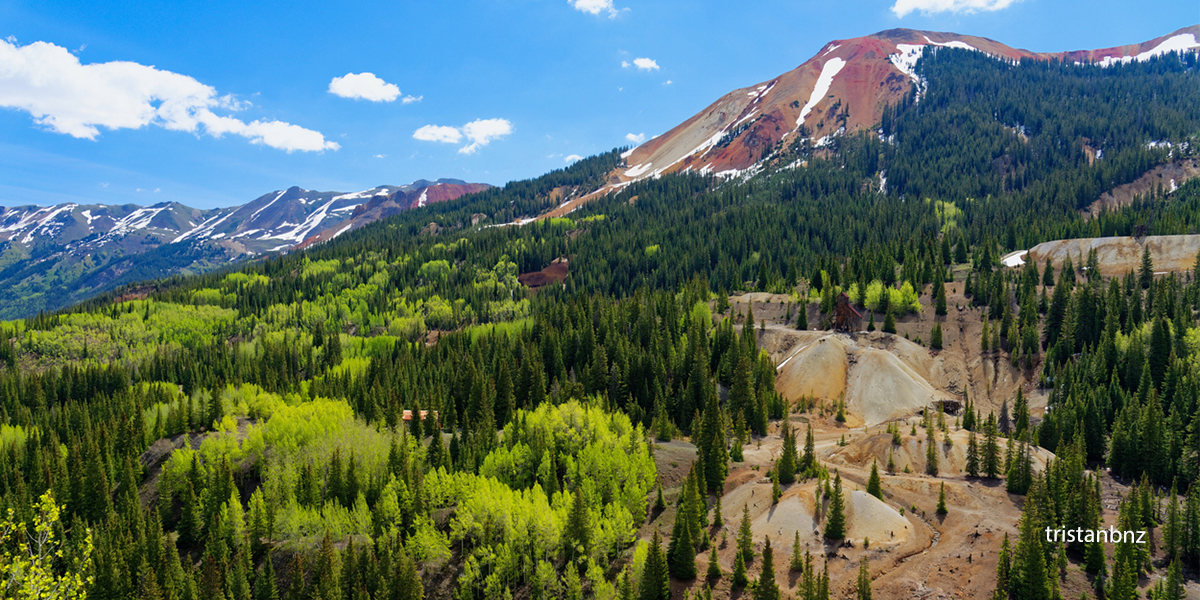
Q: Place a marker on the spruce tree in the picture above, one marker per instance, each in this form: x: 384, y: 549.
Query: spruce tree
x: 863, y: 589
x: 1029, y: 576
x: 1003, y: 570
x: 889, y: 322
x: 265, y: 586
x: 745, y: 541
x: 935, y: 338
x: 714, y: 566
x: 972, y: 456
x: 740, y: 579
x: 873, y: 483
x: 796, y: 564
x: 681, y: 553
x: 577, y: 533
x: 991, y: 449
x: 940, y: 298
x: 931, y: 452
x: 941, y: 505
x: 787, y: 465
x: 767, y: 588
x: 808, y: 462
x: 802, y: 316
x: 835, y: 527
x: 656, y: 583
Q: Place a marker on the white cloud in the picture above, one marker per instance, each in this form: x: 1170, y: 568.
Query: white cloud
x: 438, y: 133
x: 643, y: 64
x: 411, y: 99
x: 572, y: 158
x: 380, y: 156
x: 483, y: 131
x: 480, y: 132
x: 595, y: 7
x: 636, y: 138
x: 668, y: 82
x: 904, y: 7
x: 69, y: 97
x: 363, y: 86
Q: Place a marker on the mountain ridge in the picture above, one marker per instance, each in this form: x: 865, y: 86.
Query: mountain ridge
x: 54, y: 255
x: 842, y: 89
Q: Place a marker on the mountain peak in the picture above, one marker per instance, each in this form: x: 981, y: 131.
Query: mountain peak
x: 843, y: 88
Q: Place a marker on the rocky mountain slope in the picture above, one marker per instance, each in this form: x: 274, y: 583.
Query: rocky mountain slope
x: 844, y: 88
x: 51, y: 256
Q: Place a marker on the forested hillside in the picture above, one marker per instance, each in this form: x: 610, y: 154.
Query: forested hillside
x: 393, y: 415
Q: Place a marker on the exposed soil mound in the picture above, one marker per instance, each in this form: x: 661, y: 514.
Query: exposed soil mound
x: 1118, y: 255
x: 881, y: 377
x: 556, y: 272
x: 868, y: 517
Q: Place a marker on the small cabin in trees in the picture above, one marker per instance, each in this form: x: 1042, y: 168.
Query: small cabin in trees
x: 845, y: 316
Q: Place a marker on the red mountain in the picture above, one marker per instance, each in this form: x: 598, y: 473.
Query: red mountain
x: 842, y: 89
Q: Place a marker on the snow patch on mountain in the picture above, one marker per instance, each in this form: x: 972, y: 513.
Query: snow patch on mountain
x: 828, y: 72
x: 906, y: 59
x: 1179, y: 43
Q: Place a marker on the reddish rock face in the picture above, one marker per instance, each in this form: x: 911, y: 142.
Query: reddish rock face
x: 843, y: 88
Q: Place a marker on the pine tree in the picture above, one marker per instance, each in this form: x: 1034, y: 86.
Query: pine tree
x: 1029, y: 576
x: 863, y: 588
x: 714, y: 566
x: 972, y: 456
x: 941, y: 505
x: 1146, y: 271
x: 1003, y: 570
x: 740, y: 579
x: 835, y: 527
x: 796, y: 564
x: 655, y: 584
x: 745, y: 541
x: 711, y: 446
x: 681, y: 553
x: 787, y: 465
x: 931, y: 453
x: 889, y: 322
x: 935, y: 338
x: 808, y: 461
x: 991, y: 450
x: 873, y: 483
x: 802, y: 317
x: 265, y: 584
x: 578, y: 530
x: 940, y: 298
x: 767, y: 588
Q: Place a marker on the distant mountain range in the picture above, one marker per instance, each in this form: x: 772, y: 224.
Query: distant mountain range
x: 52, y: 256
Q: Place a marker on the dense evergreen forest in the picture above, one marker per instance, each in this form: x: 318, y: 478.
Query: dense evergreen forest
x: 394, y: 415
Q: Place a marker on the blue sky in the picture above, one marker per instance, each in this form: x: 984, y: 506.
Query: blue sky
x: 215, y: 103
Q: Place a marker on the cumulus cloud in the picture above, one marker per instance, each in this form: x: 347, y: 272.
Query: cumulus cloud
x: 479, y: 132
x: 363, y: 86
x: 438, y: 133
x: 636, y: 138
x: 66, y: 96
x: 904, y: 7
x: 572, y: 158
x: 595, y: 7
x: 411, y: 99
x: 483, y: 131
x: 642, y: 64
